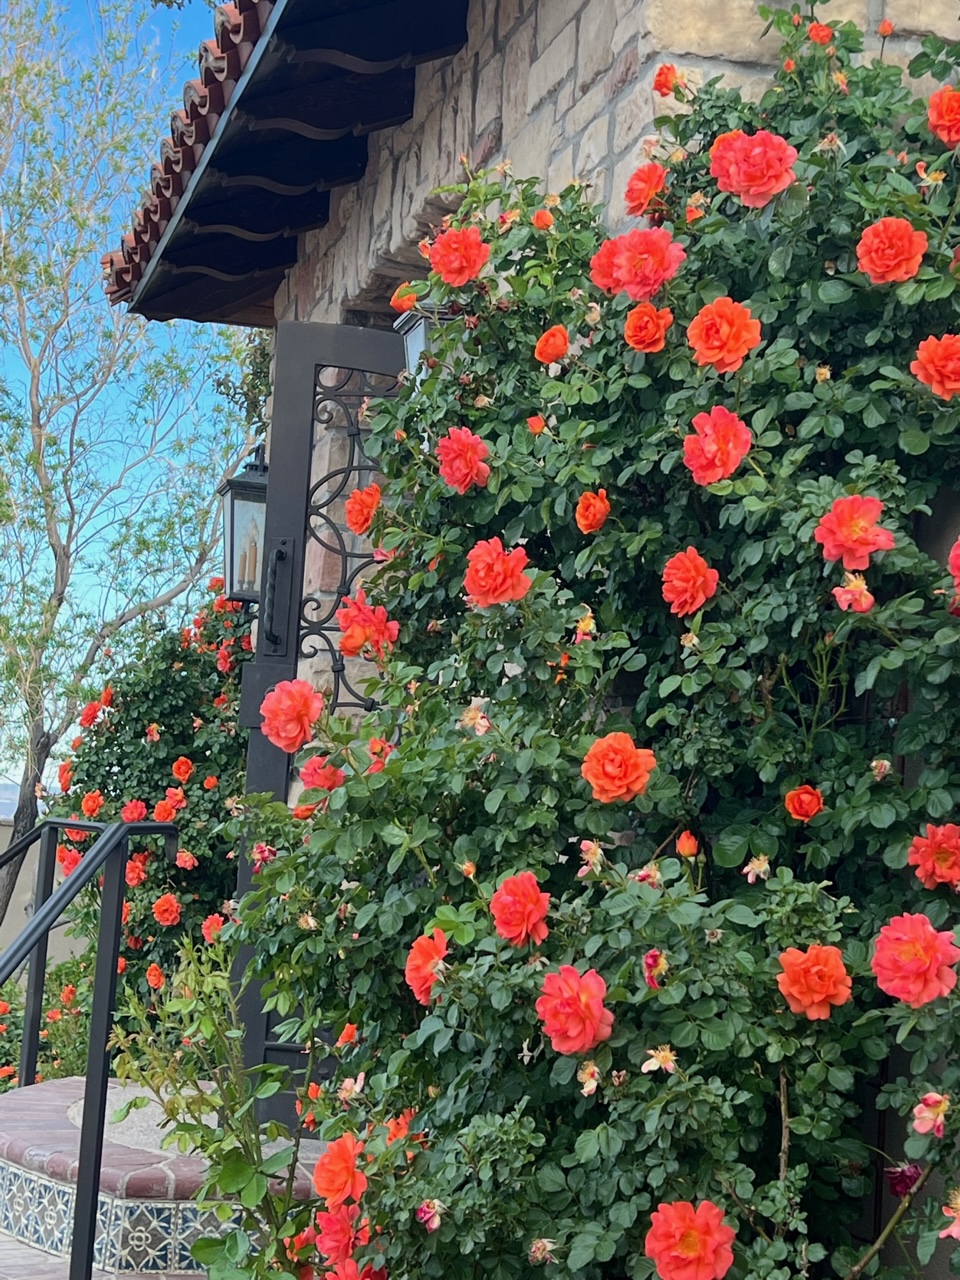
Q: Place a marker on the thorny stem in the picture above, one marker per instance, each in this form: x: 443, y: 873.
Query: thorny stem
x: 784, y: 1126
x: 747, y: 1212
x: 862, y: 1263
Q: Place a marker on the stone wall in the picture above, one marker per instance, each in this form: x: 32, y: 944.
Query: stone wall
x: 561, y: 88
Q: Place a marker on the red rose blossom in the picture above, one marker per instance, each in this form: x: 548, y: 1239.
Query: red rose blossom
x: 936, y: 856
x: 360, y: 507
x: 495, y: 575
x: 890, y: 251
x: 365, y: 626
x: 688, y: 582
x: 645, y: 183
x: 289, y: 711
x: 756, y: 167
x: 938, y: 362
x: 462, y: 456
x: 459, y: 256
x: 519, y: 910
x: 849, y: 531
x: 638, y: 263
x: 572, y: 1010
x: 688, y: 1243
x: 721, y: 443
x: 913, y: 962
x: 423, y: 961
x: 943, y: 114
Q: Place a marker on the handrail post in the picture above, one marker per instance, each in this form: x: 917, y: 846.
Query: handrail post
x: 98, y: 1062
x: 33, y: 1003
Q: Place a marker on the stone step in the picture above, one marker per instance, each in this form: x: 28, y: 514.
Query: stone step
x: 147, y: 1219
x: 19, y: 1261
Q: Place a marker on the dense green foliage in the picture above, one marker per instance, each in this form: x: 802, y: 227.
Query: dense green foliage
x: 539, y: 1158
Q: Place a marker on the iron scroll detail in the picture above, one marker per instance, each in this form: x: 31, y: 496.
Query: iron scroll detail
x: 335, y: 560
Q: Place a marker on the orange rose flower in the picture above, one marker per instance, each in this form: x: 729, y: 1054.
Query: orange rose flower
x: 890, y: 251
x: 135, y: 872
x: 572, y: 1011
x: 289, y: 711
x: 92, y: 803
x: 68, y: 858
x: 937, y: 856
x: 89, y: 714
x: 182, y: 768
x: 65, y: 775
x: 938, y: 362
x: 552, y: 345
x: 336, y: 1177
x: 592, y: 511
x: 820, y: 33
x: 803, y: 803
x: 537, y: 425
x: 495, y: 575
x: 913, y: 962
x: 519, y: 910
x: 164, y: 811
x: 617, y: 769
x: 210, y: 782
x: 638, y: 263
x: 365, y: 626
x: 360, y: 507
x: 645, y: 328
x: 542, y: 219
x: 319, y: 774
x: 348, y: 1035
x: 404, y: 297
x: 166, y: 909
x: 722, y: 333
x: 666, y: 80
x: 338, y: 1235
x: 462, y: 459
x: 885, y: 29
x: 721, y: 443
x: 687, y: 845
x: 645, y: 183
x: 689, y: 1244
x: 423, y: 962
x: 849, y: 531
x: 943, y: 114
x: 301, y: 812
x: 854, y: 594
x: 459, y: 256
x: 756, y: 167
x: 212, y: 927
x: 688, y: 582
x: 155, y: 978
x: 813, y: 980
x: 133, y: 811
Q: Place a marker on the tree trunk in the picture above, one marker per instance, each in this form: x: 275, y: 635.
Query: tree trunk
x: 25, y: 817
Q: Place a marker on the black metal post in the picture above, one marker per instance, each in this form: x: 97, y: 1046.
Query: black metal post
x: 98, y: 1063
x: 33, y: 1004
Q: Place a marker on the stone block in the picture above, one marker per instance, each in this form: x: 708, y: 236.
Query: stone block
x: 487, y: 145
x: 632, y: 118
x: 560, y: 172
x: 508, y: 16
x: 489, y: 101
x: 593, y: 153
x: 530, y: 151
x: 519, y: 55
x: 731, y: 30
x: 585, y: 110
x: 625, y: 69
x: 552, y: 67
x: 554, y: 15
x: 595, y: 45
x: 925, y: 17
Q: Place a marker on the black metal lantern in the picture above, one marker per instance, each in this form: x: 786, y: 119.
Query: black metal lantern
x: 244, y: 515
x: 414, y: 327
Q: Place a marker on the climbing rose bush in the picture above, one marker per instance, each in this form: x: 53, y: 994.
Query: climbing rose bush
x: 162, y: 742
x: 637, y: 894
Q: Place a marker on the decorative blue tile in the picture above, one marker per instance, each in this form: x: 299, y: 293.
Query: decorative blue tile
x: 105, y: 1242
x: 143, y: 1233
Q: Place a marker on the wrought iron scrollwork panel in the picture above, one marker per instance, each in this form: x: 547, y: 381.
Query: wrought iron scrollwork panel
x: 334, y: 557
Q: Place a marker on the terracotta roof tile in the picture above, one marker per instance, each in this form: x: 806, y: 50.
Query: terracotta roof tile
x: 237, y: 28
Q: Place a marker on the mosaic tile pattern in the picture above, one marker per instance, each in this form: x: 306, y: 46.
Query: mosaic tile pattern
x: 151, y: 1237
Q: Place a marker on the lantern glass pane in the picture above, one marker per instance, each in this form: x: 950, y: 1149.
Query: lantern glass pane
x: 245, y: 550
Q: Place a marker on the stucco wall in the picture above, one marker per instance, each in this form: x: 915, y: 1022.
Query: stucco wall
x: 21, y: 907
x: 561, y: 88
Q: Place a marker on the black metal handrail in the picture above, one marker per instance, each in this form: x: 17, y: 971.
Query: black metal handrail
x: 109, y: 854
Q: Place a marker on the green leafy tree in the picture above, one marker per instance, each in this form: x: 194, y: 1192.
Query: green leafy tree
x: 110, y: 459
